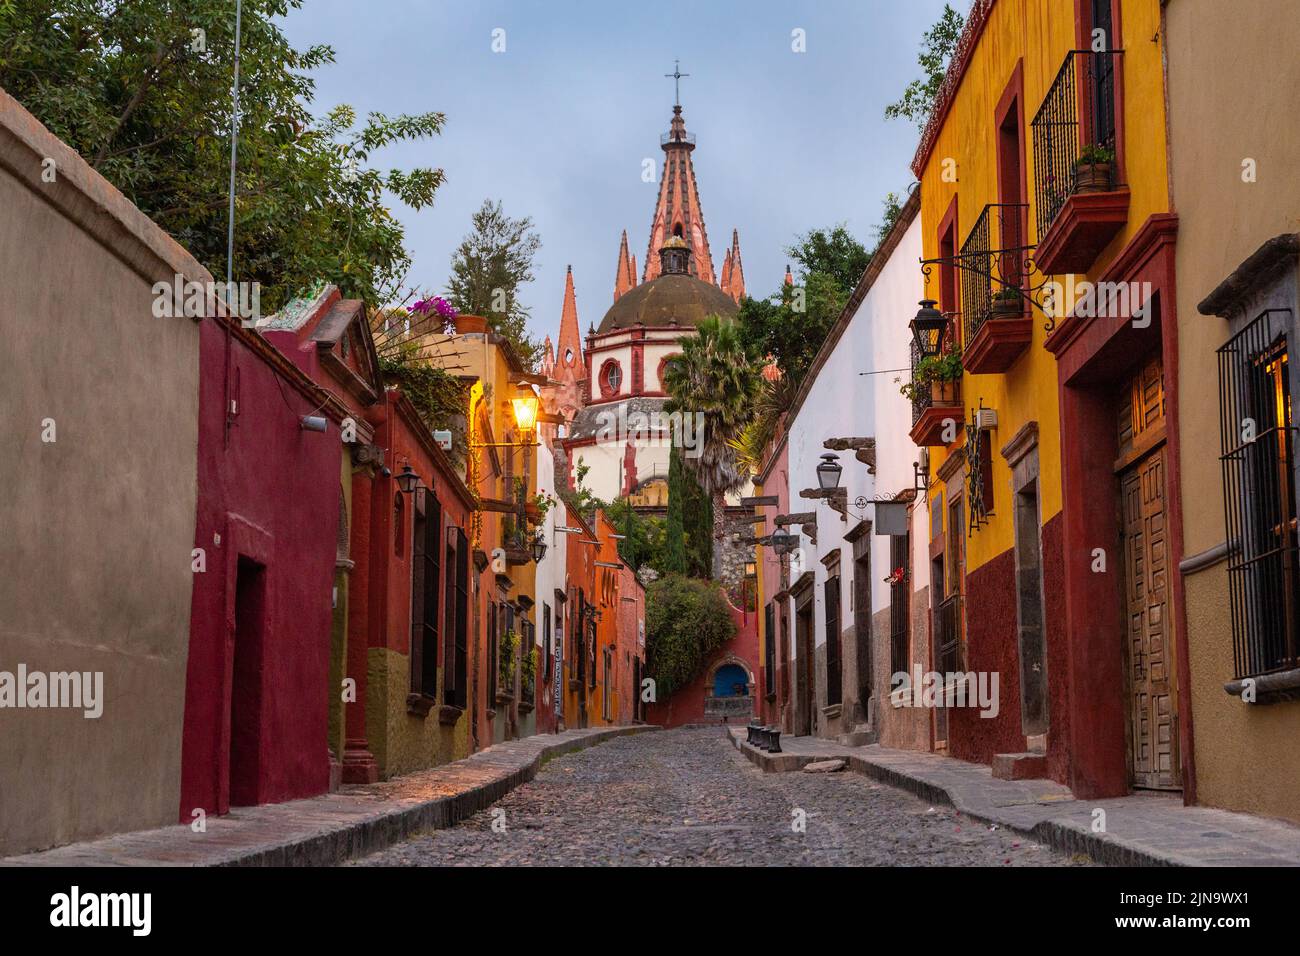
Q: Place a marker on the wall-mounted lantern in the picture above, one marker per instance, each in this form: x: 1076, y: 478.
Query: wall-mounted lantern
x: 408, y: 480
x: 928, y: 327
x: 828, y: 472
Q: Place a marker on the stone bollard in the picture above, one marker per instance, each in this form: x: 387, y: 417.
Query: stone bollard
x: 774, y: 739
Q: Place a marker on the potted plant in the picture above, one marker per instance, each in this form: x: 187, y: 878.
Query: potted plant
x: 506, y: 665
x: 1008, y: 301
x: 528, y: 673
x: 1092, y: 170
x: 936, y: 376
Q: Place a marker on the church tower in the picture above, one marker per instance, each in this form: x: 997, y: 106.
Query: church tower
x: 677, y: 211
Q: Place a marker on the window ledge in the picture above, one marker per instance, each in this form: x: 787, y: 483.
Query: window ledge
x: 449, y: 714
x: 1272, y: 688
x: 832, y: 711
x: 418, y: 705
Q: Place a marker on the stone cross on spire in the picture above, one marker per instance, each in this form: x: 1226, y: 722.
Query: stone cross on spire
x: 676, y: 76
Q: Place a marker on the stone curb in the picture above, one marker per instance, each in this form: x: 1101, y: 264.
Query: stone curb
x: 396, y: 818
x: 1059, y: 835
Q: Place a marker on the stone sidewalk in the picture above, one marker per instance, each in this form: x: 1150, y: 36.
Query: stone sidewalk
x: 329, y: 829
x: 1146, y: 829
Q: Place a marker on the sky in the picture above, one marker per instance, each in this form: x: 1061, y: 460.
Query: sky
x: 557, y: 124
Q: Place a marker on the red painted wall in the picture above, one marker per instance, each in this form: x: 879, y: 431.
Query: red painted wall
x: 271, y: 494
x: 993, y: 646
x: 686, y: 706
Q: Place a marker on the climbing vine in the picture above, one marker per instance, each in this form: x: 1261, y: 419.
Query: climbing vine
x: 687, y: 621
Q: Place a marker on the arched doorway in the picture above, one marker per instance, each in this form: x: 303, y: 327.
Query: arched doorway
x: 729, y: 690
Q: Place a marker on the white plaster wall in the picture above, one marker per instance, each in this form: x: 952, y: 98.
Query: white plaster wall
x: 843, y: 403
x: 551, y: 570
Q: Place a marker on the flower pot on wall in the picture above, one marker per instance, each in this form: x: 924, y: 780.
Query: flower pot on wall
x: 1002, y: 308
x: 1092, y: 178
x: 944, y: 392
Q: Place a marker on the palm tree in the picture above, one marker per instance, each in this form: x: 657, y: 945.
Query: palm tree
x: 717, y: 379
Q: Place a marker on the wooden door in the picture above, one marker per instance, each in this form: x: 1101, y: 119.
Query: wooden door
x: 803, y: 626
x: 1148, y: 645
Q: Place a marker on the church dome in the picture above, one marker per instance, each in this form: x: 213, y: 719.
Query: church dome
x: 669, y: 300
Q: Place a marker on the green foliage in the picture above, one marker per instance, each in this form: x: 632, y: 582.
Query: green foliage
x: 488, y: 268
x: 145, y: 97
x: 643, y: 535
x: 506, y: 662
x: 441, y: 399
x: 1094, y: 155
x: 937, y: 47
x: 687, y: 621
x: 528, y: 671
x: 674, y: 553
x: 716, y: 377
x: 893, y: 204
x: 581, y: 498
x: 773, y: 399
x: 832, y: 252
x: 697, y: 525
x: 940, y: 368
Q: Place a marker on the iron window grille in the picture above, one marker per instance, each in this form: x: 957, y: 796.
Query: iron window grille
x: 456, y: 620
x: 425, y: 581
x: 1078, y: 111
x: 947, y: 651
x: 1256, y: 433
x: 899, y: 604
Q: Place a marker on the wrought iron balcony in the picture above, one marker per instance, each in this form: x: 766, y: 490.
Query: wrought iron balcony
x: 1078, y: 112
x: 1074, y: 136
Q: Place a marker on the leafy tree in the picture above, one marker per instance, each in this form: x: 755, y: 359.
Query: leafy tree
x: 142, y: 90
x: 937, y: 47
x: 715, y: 377
x: 687, y: 621
x: 791, y: 325
x: 643, y: 535
x: 488, y: 268
x: 893, y: 209
x: 832, y: 252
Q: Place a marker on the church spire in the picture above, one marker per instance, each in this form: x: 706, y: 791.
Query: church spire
x: 733, y: 274
x: 677, y: 211
x: 569, y: 352
x: 625, y: 277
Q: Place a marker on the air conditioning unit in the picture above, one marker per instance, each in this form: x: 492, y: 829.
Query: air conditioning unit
x: 986, y: 418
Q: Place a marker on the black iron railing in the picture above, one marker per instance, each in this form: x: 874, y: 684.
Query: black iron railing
x: 1259, y: 503
x: 992, y: 260
x: 922, y: 398
x: 1078, y: 111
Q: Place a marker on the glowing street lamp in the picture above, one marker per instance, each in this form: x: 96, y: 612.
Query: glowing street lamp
x: 525, y: 413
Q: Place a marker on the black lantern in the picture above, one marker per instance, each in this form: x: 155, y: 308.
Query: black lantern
x: 828, y: 472
x: 539, y: 549
x: 408, y: 480
x: 783, y: 542
x: 928, y: 328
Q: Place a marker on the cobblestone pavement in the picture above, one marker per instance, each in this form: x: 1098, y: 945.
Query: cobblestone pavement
x: 687, y: 797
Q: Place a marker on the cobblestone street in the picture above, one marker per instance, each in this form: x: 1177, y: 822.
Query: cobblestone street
x: 687, y: 797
